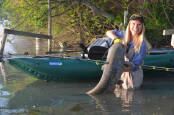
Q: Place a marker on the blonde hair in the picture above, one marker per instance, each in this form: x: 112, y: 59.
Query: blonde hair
x: 137, y: 42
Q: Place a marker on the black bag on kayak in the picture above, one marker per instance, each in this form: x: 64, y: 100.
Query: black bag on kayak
x: 98, y: 49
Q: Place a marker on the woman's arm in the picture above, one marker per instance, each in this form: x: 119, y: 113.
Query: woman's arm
x: 111, y: 34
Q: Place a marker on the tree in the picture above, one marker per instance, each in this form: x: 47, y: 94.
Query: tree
x: 86, y: 19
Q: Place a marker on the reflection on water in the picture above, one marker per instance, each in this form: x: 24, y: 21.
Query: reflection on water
x: 22, y: 94
x: 47, y: 94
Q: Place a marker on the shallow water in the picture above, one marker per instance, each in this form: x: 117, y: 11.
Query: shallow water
x: 23, y: 94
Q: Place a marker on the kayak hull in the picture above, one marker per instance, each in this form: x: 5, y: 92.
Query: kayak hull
x: 59, y: 69
x: 78, y: 69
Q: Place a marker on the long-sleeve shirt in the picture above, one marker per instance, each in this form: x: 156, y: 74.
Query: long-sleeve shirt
x: 138, y: 57
x: 118, y: 33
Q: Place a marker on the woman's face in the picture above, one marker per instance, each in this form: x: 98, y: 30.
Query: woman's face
x: 136, y: 27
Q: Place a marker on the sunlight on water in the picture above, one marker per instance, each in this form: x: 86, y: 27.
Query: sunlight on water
x: 9, y: 86
x: 12, y: 111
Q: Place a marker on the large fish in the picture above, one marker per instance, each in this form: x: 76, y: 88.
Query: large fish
x: 112, y: 70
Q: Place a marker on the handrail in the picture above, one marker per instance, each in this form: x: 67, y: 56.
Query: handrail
x: 21, y: 33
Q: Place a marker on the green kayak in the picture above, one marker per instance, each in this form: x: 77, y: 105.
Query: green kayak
x: 59, y: 68
x: 78, y: 69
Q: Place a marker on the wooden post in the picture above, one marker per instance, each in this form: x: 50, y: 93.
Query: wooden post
x: 172, y: 41
x: 38, y: 46
x: 3, y: 69
x: 170, y: 32
x: 2, y: 45
x: 125, y: 17
x: 49, y: 26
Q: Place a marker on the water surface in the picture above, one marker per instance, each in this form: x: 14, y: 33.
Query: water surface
x: 23, y: 94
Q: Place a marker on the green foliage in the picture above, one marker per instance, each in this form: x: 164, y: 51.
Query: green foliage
x: 26, y: 14
x: 9, y: 41
x: 80, y: 19
x: 146, y: 4
x: 157, y: 19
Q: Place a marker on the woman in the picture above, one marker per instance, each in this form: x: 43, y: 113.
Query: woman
x: 135, y: 51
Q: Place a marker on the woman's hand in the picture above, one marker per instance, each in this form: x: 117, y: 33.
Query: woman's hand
x: 128, y: 65
x: 103, y: 67
x: 127, y: 69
